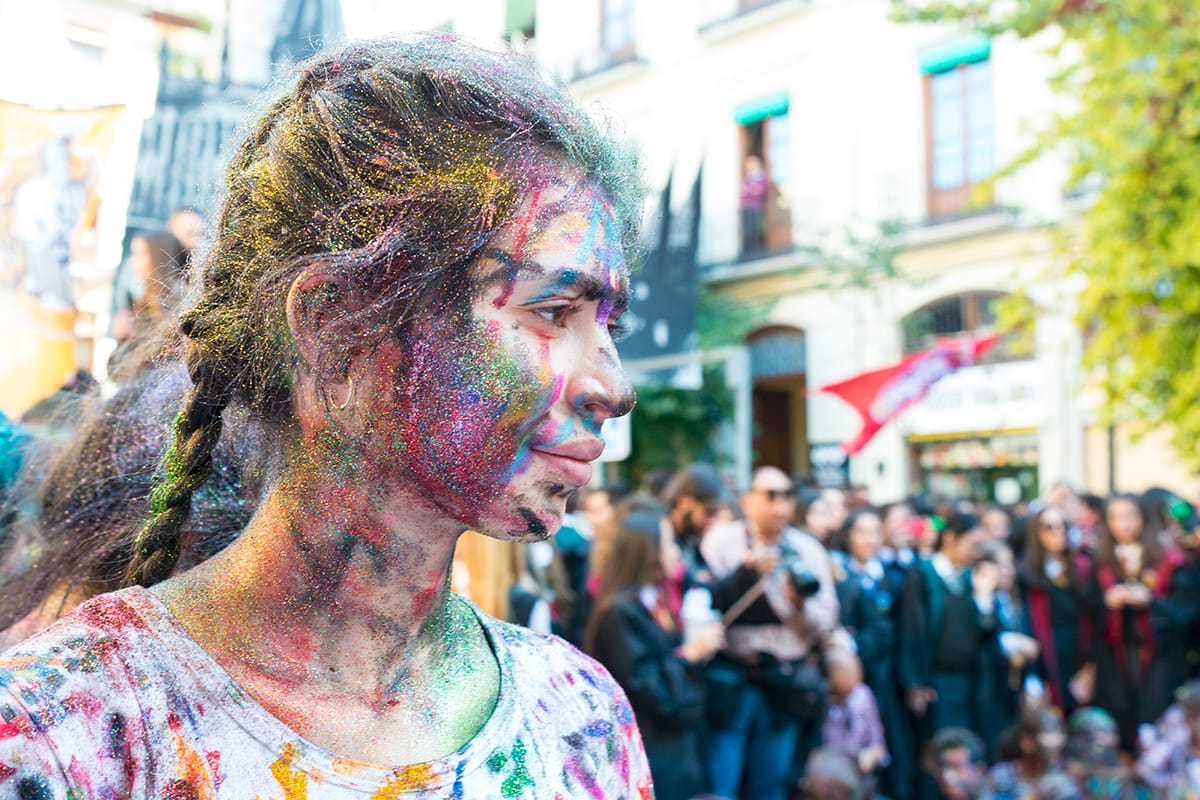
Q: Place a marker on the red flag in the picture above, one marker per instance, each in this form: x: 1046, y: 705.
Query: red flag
x: 879, y: 396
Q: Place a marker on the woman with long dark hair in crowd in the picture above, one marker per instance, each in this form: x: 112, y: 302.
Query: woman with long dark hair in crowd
x: 157, y: 259
x: 636, y: 634
x: 1144, y: 596
x: 414, y: 280
x: 1052, y: 578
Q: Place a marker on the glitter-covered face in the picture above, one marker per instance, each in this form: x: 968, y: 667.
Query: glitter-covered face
x: 499, y: 409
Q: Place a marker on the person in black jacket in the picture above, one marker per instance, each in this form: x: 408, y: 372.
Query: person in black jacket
x: 636, y: 633
x: 943, y: 632
x: 869, y: 598
x: 1143, y: 597
x: 1053, y: 579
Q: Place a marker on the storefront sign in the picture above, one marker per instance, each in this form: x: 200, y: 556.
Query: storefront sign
x: 991, y: 397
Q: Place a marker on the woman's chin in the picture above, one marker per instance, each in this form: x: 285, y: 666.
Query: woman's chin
x: 524, y: 522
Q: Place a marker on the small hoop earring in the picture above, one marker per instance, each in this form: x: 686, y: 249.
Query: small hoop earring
x: 349, y: 395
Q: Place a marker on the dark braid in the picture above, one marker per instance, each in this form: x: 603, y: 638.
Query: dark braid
x: 186, y: 465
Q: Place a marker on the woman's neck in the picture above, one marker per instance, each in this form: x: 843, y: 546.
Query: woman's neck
x: 328, y: 587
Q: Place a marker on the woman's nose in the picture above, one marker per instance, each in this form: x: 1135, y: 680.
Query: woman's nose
x: 599, y: 388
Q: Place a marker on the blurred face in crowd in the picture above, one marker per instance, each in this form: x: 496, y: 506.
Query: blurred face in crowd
x: 845, y: 673
x: 770, y: 503
x: 1124, y: 520
x: 600, y: 512
x: 670, y: 556
x: 817, y: 519
x: 691, y: 517
x: 897, y: 526
x: 1052, y: 531
x: 139, y: 259
x: 958, y: 549
x: 1060, y: 494
x: 958, y: 777
x: 1006, y: 569
x: 996, y: 524
x: 836, y: 500
x: 865, y: 538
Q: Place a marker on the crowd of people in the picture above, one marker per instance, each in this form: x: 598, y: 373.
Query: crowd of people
x: 801, y: 642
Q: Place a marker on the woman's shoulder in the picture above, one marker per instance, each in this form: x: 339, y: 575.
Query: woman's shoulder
x: 568, y: 697
x: 530, y: 650
x: 91, y: 647
x: 68, y: 687
x: 551, y: 667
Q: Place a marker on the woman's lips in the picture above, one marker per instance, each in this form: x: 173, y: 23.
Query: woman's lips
x: 572, y: 470
x: 572, y: 460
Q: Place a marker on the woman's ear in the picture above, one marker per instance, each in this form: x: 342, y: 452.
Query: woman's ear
x: 315, y: 299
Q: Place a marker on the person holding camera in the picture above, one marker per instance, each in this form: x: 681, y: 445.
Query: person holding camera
x: 775, y: 586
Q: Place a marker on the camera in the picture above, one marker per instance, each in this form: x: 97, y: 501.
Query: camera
x: 804, y: 582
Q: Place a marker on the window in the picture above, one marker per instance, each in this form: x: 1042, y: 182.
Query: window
x: 617, y: 29
x: 520, y: 21
x: 961, y: 137
x: 962, y: 315
x: 765, y: 184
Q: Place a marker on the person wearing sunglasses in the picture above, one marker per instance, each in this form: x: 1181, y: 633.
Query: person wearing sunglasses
x: 1052, y: 579
x: 775, y: 585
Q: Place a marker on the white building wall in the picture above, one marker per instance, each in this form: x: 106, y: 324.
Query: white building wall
x: 857, y: 111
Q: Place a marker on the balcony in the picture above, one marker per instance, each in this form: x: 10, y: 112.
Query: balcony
x: 727, y: 251
x: 722, y: 19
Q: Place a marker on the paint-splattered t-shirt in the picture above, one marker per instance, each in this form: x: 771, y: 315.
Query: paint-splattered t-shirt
x: 117, y: 701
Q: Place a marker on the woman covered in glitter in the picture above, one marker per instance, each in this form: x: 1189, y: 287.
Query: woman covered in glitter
x: 415, y: 278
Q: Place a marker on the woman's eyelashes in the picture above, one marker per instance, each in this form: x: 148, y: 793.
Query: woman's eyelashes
x: 557, y: 314
x: 560, y: 314
x: 618, y: 328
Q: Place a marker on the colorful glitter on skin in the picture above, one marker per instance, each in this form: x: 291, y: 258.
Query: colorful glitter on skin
x: 418, y: 271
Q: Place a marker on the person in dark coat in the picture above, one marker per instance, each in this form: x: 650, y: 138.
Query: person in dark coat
x: 635, y: 633
x: 869, y: 599
x: 1010, y: 651
x: 1052, y: 579
x: 1145, y: 598
x: 942, y: 634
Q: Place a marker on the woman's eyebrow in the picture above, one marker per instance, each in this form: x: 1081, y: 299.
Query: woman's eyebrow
x: 560, y: 279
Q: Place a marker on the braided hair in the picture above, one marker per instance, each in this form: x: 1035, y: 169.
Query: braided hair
x: 390, y: 165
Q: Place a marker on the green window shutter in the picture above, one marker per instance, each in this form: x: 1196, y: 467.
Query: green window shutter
x: 948, y: 55
x: 519, y: 16
x: 758, y: 110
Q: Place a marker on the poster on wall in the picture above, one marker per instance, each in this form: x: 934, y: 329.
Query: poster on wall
x: 50, y: 166
x: 830, y: 465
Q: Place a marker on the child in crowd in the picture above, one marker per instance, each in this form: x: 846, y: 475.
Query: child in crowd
x: 1030, y: 750
x: 1008, y: 652
x: 955, y: 759
x: 852, y: 725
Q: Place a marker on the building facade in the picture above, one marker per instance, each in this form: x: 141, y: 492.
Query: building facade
x: 844, y: 158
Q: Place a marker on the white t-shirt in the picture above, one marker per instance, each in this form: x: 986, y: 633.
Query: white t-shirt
x: 117, y: 701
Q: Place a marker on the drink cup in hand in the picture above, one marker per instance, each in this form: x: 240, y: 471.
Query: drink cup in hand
x: 697, y: 612
x: 704, y: 642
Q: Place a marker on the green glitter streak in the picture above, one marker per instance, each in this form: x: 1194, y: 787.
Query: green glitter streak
x: 174, y: 470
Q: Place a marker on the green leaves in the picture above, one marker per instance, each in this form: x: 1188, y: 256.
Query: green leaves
x: 1129, y: 71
